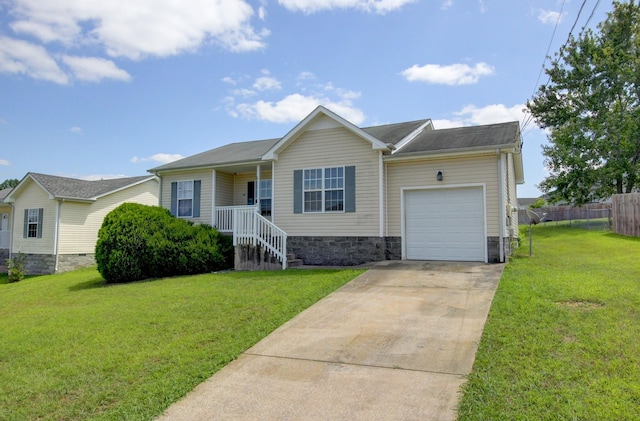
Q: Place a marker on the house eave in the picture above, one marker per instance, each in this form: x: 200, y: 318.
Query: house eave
x: 446, y: 153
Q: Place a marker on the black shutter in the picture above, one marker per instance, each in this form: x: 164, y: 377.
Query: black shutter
x: 297, y: 191
x: 196, y: 198
x: 174, y: 199
x: 40, y: 215
x: 350, y: 189
x: 25, y: 227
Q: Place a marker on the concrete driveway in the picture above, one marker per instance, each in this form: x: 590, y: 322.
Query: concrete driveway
x: 393, y: 344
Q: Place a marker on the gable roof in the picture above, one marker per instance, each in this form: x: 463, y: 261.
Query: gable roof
x: 76, y: 189
x: 319, y: 112
x: 469, y: 137
x: 258, y: 150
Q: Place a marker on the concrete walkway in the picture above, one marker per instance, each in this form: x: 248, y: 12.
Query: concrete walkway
x: 393, y: 344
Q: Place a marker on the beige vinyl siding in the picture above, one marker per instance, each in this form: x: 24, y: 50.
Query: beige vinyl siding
x: 80, y: 222
x: 224, y: 189
x: 240, y: 185
x: 456, y: 171
x: 206, y: 178
x: 320, y: 149
x: 32, y: 197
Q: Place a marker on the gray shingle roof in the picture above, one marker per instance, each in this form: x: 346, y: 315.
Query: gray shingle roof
x: 235, y: 153
x: 231, y: 153
x: 463, y: 138
x: 394, y: 133
x: 72, y: 188
x: 4, y: 193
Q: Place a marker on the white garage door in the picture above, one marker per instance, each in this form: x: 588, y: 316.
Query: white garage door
x: 445, y: 224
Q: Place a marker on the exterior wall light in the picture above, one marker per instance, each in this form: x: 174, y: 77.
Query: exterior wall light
x: 439, y: 176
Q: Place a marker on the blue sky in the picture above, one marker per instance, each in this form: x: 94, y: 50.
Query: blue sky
x: 95, y: 88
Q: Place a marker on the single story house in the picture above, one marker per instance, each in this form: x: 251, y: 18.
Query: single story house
x: 331, y: 193
x: 54, y: 220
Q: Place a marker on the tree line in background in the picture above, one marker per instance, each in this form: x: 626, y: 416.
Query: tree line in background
x: 9, y: 183
x: 591, y: 108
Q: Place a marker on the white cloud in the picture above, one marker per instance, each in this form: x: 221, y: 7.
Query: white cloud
x: 550, y: 16
x: 94, y: 69
x: 490, y: 114
x: 446, y: 4
x: 140, y: 28
x: 120, y: 28
x: 312, y: 6
x: 453, y: 74
x: 21, y: 57
x: 4, y: 162
x: 266, y: 83
x: 163, y: 158
x: 471, y: 115
x: 295, y: 107
x: 229, y: 80
x: 75, y: 129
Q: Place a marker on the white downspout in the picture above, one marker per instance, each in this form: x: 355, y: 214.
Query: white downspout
x: 214, y: 219
x: 381, y: 193
x: 56, y: 235
x: 502, y: 204
x: 13, y: 229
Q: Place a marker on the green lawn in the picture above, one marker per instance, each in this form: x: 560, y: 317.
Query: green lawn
x: 73, y: 348
x: 562, y: 341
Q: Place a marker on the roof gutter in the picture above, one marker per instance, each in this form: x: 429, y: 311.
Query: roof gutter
x: 156, y: 171
x: 448, y: 153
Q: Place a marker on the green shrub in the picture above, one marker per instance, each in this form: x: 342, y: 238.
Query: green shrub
x: 139, y: 242
x: 17, y: 268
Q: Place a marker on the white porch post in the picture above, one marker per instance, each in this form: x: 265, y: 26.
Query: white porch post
x: 257, y: 186
x: 273, y: 191
x: 214, y: 217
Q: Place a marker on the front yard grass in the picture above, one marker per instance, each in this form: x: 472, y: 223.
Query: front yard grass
x: 73, y: 348
x: 562, y: 338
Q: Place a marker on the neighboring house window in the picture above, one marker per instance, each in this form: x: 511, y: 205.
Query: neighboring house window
x: 324, y: 190
x: 33, y: 223
x: 265, y: 197
x: 185, y: 198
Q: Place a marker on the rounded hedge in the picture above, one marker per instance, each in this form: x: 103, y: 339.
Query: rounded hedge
x: 139, y: 242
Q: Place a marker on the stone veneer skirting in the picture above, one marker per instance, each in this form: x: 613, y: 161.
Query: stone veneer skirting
x: 44, y: 264
x: 351, y: 251
x: 4, y: 255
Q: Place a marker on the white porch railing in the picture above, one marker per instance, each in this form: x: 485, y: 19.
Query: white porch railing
x: 4, y: 239
x: 251, y: 228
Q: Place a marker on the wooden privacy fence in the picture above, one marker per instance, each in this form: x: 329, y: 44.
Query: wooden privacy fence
x: 626, y: 214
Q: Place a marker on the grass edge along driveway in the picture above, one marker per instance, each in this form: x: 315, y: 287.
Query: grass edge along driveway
x: 561, y: 340
x: 73, y: 348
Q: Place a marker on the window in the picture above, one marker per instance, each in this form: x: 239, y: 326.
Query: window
x: 33, y: 223
x: 265, y: 197
x: 185, y: 198
x: 323, y: 189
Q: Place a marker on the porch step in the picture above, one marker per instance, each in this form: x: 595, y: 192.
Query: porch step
x: 292, y: 261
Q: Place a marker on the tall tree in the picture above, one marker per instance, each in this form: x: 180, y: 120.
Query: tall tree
x: 591, y: 108
x: 9, y: 183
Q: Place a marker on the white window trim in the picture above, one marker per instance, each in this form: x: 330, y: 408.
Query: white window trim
x: 37, y: 223
x: 323, y: 190
x: 178, y: 199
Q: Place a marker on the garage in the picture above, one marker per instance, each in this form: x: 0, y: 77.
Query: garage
x: 445, y: 224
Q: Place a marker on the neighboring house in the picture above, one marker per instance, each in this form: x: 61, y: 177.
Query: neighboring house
x: 5, y: 230
x: 55, y: 220
x: 338, y: 194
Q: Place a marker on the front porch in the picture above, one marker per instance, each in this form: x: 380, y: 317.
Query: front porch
x: 258, y: 243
